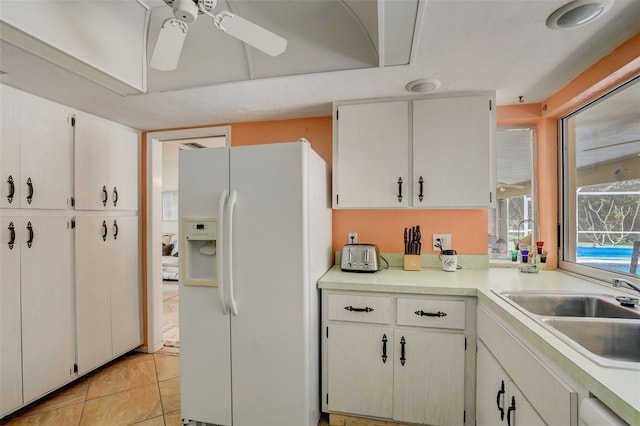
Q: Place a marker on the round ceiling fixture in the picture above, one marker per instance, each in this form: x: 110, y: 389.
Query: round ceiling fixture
x: 578, y: 13
x: 423, y: 85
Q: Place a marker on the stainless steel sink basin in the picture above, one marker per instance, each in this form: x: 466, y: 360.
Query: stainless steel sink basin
x: 572, y: 305
x: 596, y: 325
x: 615, y: 340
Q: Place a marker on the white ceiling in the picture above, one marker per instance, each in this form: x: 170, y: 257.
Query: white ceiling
x: 500, y: 45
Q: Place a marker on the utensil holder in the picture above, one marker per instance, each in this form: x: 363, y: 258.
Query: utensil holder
x: 412, y: 262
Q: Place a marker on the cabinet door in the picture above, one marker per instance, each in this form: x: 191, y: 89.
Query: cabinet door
x: 47, y: 311
x: 519, y: 410
x: 93, y: 294
x: 491, y: 389
x: 360, y: 378
x: 106, y: 165
x: 125, y: 284
x: 46, y: 155
x: 428, y: 377
x: 452, y: 152
x: 10, y: 318
x: 371, y: 155
x: 10, y: 138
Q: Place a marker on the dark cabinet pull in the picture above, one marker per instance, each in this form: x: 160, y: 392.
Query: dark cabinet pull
x: 12, y: 189
x: 511, y: 408
x: 500, y: 392
x: 105, y: 195
x: 12, y: 235
x: 30, y: 240
x: 105, y: 230
x: 399, y: 189
x: 30, y: 191
x: 421, y: 194
x: 384, y: 348
x: 402, y: 357
x: 352, y: 309
x: 422, y: 313
x: 115, y: 229
x: 115, y: 196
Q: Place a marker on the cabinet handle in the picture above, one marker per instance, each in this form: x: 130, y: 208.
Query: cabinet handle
x: 30, y: 191
x: 511, y: 408
x: 421, y: 195
x: 12, y: 235
x: 352, y: 309
x: 402, y: 357
x: 105, y: 196
x: 400, y: 189
x: 384, y: 348
x: 105, y: 230
x: 115, y: 196
x: 115, y: 229
x: 422, y: 313
x: 12, y: 189
x: 30, y: 240
x: 500, y: 392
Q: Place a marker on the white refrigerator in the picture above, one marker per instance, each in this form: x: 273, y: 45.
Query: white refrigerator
x: 249, y: 347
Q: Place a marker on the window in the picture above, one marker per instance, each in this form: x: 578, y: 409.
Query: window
x: 515, y: 216
x: 601, y: 185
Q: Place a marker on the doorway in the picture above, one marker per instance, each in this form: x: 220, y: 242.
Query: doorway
x: 162, y: 297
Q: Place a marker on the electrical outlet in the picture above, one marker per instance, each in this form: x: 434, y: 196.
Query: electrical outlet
x: 352, y: 238
x: 442, y: 239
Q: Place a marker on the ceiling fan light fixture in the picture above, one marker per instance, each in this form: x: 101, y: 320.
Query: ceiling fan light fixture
x: 185, y: 10
x: 578, y: 13
x: 423, y: 85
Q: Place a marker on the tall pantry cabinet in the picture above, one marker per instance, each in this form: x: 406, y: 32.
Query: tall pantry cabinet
x: 39, y: 254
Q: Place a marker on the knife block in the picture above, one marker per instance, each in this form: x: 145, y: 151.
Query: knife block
x: 412, y: 262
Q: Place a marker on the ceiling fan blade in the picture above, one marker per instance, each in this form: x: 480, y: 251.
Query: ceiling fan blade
x: 252, y: 34
x: 166, y: 52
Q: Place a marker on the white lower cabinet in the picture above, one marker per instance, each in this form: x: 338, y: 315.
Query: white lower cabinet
x: 498, y: 398
x: 514, y: 386
x: 391, y: 357
x: 107, y: 290
x: 36, y: 345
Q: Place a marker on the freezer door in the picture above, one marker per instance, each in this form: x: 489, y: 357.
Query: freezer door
x: 272, y: 376
x: 205, y: 360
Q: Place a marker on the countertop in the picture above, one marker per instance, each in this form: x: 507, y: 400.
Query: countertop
x: 617, y: 388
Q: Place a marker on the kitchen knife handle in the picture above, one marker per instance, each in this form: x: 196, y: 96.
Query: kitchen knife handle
x: 421, y: 195
x: 220, y: 252
x: 400, y: 189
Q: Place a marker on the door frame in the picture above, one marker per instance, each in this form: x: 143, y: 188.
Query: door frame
x: 152, y: 225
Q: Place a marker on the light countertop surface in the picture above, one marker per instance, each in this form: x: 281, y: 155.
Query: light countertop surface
x: 618, y: 388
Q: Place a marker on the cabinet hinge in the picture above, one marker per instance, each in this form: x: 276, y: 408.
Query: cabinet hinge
x: 73, y: 201
x: 73, y: 121
x: 327, y: 332
x: 337, y: 114
x: 337, y: 198
x: 490, y: 196
x: 73, y: 224
x: 75, y: 367
x: 464, y: 416
x: 465, y: 343
x: 327, y: 399
x: 490, y: 105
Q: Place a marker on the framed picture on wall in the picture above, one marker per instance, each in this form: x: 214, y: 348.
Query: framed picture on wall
x: 170, y: 206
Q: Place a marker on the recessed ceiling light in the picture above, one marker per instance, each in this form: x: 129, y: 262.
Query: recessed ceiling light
x: 578, y: 13
x: 423, y: 85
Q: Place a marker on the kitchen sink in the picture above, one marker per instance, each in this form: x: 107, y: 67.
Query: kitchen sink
x: 571, y: 305
x: 594, y: 324
x: 615, y: 340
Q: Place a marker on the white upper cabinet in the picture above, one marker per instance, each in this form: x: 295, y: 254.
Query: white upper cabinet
x: 423, y: 153
x: 36, y: 152
x: 106, y: 165
x: 371, y: 155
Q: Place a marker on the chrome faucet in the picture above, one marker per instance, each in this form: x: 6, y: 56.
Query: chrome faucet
x: 617, y: 282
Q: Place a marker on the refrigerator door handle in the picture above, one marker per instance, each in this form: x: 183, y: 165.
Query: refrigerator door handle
x: 232, y: 301
x: 220, y: 252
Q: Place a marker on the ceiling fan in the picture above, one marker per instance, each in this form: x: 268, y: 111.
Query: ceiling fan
x: 173, y: 32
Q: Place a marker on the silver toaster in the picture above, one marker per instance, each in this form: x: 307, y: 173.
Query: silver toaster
x: 360, y: 258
